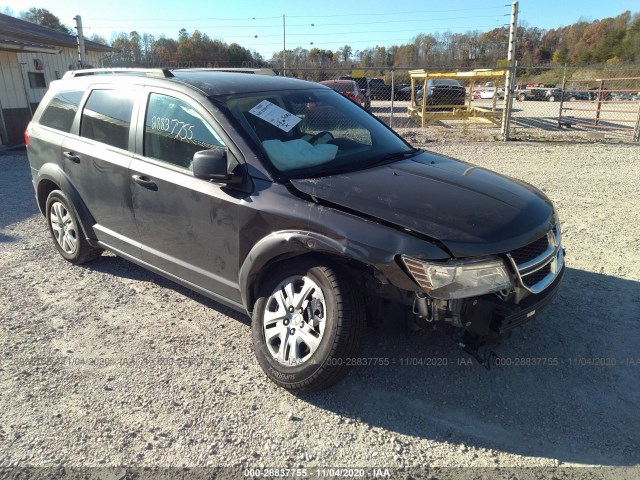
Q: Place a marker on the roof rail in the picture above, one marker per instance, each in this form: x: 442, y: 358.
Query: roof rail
x: 257, y: 71
x: 142, y: 72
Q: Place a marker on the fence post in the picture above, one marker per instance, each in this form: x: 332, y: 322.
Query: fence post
x: 636, y: 130
x: 599, y: 106
x: 393, y: 89
x: 564, y: 86
x: 511, y: 71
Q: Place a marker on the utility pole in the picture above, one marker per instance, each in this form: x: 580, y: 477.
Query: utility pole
x: 284, y: 47
x: 80, y: 37
x: 511, y: 72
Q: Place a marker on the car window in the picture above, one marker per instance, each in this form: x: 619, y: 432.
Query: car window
x: 314, y: 132
x: 106, y: 117
x: 174, y: 131
x: 61, y: 111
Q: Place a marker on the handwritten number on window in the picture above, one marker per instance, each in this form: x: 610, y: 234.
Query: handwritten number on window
x: 181, y: 131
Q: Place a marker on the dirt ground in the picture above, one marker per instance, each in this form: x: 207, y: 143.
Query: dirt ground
x: 108, y: 365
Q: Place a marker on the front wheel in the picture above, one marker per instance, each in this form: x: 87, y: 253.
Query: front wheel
x: 552, y: 98
x: 307, y: 325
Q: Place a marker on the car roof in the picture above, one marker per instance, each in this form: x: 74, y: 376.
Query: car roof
x: 215, y: 83
x: 210, y: 82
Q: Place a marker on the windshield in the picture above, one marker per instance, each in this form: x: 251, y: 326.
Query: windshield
x: 315, y: 132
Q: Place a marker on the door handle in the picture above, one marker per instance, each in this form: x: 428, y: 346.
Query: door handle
x: 72, y: 156
x: 145, y: 182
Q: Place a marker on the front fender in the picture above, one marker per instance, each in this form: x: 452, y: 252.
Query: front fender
x: 284, y: 244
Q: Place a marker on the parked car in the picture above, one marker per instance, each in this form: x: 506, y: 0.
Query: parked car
x: 362, y: 82
x: 490, y: 93
x: 574, y: 95
x: 230, y: 185
x: 349, y: 89
x: 596, y: 94
x: 403, y: 92
x: 378, y: 90
x: 444, y: 91
x: 527, y: 92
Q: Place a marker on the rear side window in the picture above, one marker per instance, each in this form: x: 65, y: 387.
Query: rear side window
x: 106, y: 117
x: 61, y: 111
x: 174, y: 131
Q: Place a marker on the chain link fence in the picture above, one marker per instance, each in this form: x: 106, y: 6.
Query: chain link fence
x: 581, y: 103
x: 548, y: 103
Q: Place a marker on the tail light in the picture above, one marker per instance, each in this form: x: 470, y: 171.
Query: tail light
x: 351, y: 96
x: 26, y: 139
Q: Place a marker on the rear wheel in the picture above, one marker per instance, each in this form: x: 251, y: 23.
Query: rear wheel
x: 522, y: 97
x: 307, y: 325
x: 66, y: 232
x: 552, y: 98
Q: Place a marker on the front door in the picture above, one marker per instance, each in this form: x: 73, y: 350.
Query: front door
x: 187, y: 227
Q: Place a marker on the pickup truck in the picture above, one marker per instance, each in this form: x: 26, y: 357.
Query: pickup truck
x: 379, y: 90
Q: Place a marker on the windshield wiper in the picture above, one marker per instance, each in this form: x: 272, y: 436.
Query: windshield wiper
x: 393, y: 156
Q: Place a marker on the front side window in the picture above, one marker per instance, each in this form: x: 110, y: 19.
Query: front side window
x: 61, y: 111
x: 313, y: 132
x: 174, y: 131
x: 106, y: 117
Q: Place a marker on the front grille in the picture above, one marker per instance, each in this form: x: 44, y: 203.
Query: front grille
x: 531, y: 251
x: 538, y: 263
x: 536, y: 277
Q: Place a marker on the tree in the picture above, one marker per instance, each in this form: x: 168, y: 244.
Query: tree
x: 98, y: 39
x: 346, y: 52
x: 44, y: 17
x: 136, y: 47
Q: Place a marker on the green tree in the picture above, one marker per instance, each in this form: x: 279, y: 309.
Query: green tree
x: 346, y: 53
x: 44, y: 17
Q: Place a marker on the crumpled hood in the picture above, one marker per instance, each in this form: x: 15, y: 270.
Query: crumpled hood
x: 472, y: 211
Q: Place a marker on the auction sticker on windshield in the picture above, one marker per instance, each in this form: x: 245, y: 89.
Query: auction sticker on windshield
x: 275, y: 115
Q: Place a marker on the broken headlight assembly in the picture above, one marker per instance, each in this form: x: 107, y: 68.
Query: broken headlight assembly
x: 459, y: 278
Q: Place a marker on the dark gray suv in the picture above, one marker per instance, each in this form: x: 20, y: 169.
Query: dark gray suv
x: 283, y: 199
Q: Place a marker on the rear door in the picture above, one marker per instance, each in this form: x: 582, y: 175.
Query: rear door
x: 97, y: 163
x: 187, y: 227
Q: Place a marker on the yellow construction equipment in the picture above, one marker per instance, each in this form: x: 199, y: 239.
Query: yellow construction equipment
x: 428, y: 114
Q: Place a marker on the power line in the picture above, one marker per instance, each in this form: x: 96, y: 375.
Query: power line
x: 352, y: 33
x: 386, y: 14
x: 319, y: 24
x: 342, y: 42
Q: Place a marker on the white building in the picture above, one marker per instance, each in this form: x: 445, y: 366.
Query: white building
x: 32, y: 56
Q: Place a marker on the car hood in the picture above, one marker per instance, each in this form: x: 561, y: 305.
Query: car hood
x: 469, y: 209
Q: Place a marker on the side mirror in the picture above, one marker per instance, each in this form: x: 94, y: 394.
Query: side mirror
x: 212, y: 165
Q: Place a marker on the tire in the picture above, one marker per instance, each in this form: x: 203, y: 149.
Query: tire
x: 314, y: 347
x: 552, y: 98
x: 522, y: 97
x: 66, y: 232
x: 572, y: 99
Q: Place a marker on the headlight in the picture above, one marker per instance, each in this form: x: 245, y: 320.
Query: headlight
x: 459, y: 279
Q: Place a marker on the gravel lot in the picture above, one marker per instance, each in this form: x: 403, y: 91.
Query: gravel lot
x: 109, y: 365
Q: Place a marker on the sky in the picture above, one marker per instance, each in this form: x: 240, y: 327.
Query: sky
x: 326, y: 24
